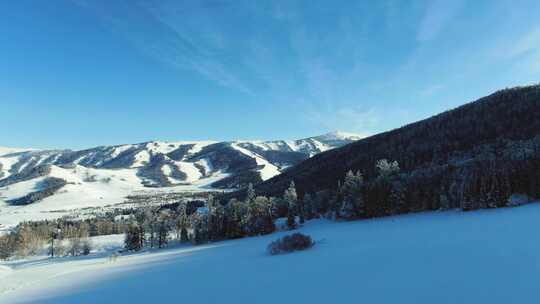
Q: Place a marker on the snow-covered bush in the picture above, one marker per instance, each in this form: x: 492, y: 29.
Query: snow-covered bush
x: 290, y: 243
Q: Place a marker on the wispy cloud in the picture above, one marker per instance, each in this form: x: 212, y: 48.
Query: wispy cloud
x: 143, y: 25
x: 527, y: 48
x: 438, y: 14
x: 523, y: 51
x: 530, y: 41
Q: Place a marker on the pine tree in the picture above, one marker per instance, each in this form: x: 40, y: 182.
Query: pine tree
x: 291, y: 199
x: 132, y: 240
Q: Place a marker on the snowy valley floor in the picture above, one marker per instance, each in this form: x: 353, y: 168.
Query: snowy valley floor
x: 487, y: 256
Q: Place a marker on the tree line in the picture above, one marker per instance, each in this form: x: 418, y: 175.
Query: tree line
x: 32, y: 238
x: 483, y: 182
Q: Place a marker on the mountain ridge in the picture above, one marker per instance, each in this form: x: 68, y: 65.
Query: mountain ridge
x: 157, y: 164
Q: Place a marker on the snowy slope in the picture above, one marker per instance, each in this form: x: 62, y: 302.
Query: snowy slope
x: 488, y: 256
x: 266, y: 169
x: 86, y: 188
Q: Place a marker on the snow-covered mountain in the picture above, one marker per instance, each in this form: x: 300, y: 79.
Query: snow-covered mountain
x: 112, y: 172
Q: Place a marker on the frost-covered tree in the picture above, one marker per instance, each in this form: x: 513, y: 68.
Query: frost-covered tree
x: 151, y: 225
x: 387, y: 168
x: 291, y: 199
x: 259, y: 217
x: 351, y: 194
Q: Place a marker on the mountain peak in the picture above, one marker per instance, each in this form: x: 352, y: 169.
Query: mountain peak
x: 338, y: 135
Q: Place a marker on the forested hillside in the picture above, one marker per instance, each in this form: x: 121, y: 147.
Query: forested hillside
x: 474, y: 156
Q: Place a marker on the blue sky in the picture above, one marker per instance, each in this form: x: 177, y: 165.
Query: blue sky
x: 80, y: 73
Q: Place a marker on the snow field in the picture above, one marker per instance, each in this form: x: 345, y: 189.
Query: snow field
x: 487, y: 256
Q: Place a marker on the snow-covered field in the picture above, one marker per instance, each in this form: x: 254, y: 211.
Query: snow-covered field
x: 488, y: 256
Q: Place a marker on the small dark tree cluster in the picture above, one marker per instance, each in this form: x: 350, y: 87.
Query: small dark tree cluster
x: 290, y: 243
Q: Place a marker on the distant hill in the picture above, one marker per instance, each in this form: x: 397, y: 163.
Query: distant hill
x: 100, y: 171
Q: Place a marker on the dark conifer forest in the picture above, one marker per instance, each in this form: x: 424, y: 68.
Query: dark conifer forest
x: 475, y: 156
